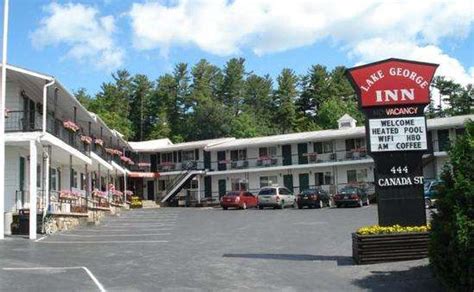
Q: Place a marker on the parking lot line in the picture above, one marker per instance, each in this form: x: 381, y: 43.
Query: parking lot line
x: 41, y: 238
x: 107, y: 241
x: 89, y: 273
x: 114, y: 235
x: 122, y: 230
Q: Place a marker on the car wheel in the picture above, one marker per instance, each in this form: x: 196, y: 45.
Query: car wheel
x: 300, y: 206
x: 244, y: 206
x: 321, y: 205
x: 225, y: 208
x: 428, y: 203
x: 260, y: 207
x: 338, y: 205
x: 310, y: 206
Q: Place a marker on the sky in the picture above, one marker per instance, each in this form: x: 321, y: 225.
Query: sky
x: 82, y: 42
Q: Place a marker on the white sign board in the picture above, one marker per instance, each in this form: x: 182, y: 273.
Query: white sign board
x: 398, y: 134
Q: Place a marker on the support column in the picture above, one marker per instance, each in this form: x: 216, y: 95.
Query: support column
x: 71, y: 176
x: 88, y: 187
x: 125, y: 188
x: 199, y: 189
x: 46, y: 184
x: 33, y: 179
x: 107, y: 185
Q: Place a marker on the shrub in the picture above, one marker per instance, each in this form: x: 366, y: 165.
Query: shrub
x: 451, y: 250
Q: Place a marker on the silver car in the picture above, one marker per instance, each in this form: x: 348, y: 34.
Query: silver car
x: 276, y: 197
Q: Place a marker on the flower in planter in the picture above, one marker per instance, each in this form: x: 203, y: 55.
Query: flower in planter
x: 71, y: 126
x: 118, y: 152
x: 376, y: 229
x: 86, y: 139
x: 109, y: 151
x: 99, y: 142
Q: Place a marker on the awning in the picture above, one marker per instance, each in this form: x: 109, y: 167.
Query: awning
x: 144, y: 174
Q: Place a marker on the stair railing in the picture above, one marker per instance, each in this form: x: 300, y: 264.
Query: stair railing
x: 187, y: 168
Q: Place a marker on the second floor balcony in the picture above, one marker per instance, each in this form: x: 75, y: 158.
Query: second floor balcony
x: 21, y: 121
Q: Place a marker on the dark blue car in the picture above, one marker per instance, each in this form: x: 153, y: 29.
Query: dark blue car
x: 431, y: 188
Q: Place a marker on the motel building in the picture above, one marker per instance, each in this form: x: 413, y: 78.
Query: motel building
x: 64, y: 165
x: 200, y: 172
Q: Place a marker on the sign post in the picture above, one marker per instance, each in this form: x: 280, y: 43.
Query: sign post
x: 393, y: 94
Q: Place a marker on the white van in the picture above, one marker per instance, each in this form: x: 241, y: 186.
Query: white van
x: 276, y: 197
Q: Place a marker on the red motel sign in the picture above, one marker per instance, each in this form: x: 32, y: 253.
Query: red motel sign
x: 393, y: 82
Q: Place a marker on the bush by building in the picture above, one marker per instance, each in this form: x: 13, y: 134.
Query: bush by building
x: 451, y: 249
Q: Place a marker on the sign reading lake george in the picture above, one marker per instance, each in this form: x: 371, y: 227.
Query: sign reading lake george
x: 397, y: 134
x: 393, y: 94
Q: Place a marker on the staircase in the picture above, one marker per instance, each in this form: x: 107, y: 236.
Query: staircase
x: 177, y: 184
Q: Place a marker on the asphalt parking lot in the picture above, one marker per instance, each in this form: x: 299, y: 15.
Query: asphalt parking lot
x: 178, y: 249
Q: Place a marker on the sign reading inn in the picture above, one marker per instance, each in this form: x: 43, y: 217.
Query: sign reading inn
x: 393, y: 94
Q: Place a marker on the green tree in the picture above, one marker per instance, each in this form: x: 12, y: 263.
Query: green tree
x: 285, y: 96
x: 112, y: 103
x: 83, y: 97
x: 460, y: 99
x: 140, y: 101
x: 233, y: 85
x: 452, y: 235
x: 315, y: 89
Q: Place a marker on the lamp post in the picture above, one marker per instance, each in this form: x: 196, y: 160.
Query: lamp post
x: 2, y: 120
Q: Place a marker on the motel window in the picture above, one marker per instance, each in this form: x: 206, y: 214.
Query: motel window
x: 167, y: 157
x: 238, y: 155
x: 267, y: 151
x: 239, y: 184
x: 352, y: 144
x: 74, y: 178
x: 323, y: 147
x: 53, y: 180
x: 443, y: 140
x: 359, y: 175
x: 267, y: 181
x: 188, y: 155
x: 351, y: 176
x: 323, y: 178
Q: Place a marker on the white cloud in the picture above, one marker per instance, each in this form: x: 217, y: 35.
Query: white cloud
x: 88, y: 36
x: 405, y: 28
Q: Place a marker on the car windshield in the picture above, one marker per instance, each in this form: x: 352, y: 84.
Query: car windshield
x: 427, y: 185
x: 346, y: 191
x: 233, y: 194
x: 309, y: 192
x: 267, y: 192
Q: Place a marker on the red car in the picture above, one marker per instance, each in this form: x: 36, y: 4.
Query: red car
x: 239, y: 199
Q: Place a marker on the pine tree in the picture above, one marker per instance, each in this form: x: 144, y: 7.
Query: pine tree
x: 285, y: 97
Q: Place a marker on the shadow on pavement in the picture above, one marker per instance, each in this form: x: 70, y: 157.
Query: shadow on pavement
x: 417, y: 278
x: 341, y: 260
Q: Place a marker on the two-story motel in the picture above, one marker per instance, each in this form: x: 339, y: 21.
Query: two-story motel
x: 330, y: 159
x: 65, y: 161
x: 58, y: 156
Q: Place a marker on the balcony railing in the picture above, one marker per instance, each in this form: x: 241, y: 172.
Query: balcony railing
x: 306, y: 158
x: 21, y: 121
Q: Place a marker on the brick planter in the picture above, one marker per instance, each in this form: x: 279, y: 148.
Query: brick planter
x: 371, y: 249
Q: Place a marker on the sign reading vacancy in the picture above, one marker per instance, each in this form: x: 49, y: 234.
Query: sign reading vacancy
x: 393, y: 94
x: 397, y: 134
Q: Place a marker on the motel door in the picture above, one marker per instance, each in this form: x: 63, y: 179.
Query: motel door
x: 286, y: 153
x: 304, y: 181
x: 288, y: 181
x: 150, y: 190
x: 222, y: 187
